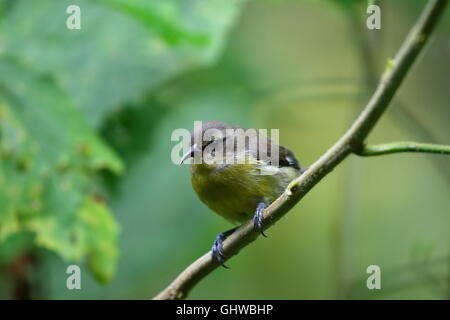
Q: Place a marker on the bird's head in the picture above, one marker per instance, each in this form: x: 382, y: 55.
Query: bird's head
x: 208, y: 138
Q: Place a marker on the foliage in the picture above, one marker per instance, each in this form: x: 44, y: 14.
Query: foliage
x: 58, y: 86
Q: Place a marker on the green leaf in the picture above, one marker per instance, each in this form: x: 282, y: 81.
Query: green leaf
x: 57, y: 85
x: 99, y: 232
x: 123, y: 50
x: 49, y: 156
x: 92, y: 234
x: 160, y: 17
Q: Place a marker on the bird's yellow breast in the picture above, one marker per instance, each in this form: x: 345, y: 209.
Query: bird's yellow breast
x: 233, y: 191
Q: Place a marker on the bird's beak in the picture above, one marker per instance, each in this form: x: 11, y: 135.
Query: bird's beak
x: 189, y: 153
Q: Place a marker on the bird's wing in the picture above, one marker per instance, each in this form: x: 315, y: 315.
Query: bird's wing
x: 287, y: 158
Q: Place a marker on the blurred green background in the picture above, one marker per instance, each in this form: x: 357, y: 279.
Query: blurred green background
x: 85, y: 123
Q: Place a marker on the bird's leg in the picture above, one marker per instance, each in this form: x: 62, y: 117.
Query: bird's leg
x: 258, y: 217
x: 217, y: 248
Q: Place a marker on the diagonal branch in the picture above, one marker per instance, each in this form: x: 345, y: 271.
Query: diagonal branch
x: 402, y: 146
x: 350, y: 142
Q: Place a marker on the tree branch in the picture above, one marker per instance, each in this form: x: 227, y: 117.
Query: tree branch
x: 351, y: 141
x: 402, y: 146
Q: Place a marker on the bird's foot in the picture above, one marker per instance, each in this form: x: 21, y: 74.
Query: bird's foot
x: 217, y: 247
x: 258, y: 221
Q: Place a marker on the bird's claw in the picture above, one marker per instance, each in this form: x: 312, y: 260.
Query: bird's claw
x: 217, y: 247
x: 217, y: 250
x: 258, y: 221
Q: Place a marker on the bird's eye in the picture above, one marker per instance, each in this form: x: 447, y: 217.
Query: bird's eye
x: 206, y: 143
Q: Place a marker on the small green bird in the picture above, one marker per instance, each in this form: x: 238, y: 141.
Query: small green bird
x: 242, y: 188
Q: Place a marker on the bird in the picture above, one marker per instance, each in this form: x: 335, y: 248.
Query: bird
x: 237, y: 180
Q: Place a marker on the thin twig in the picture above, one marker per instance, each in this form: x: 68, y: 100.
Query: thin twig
x: 402, y: 146
x: 351, y: 141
